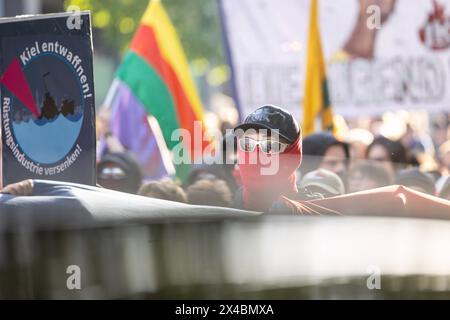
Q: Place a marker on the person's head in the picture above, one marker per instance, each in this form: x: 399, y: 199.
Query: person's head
x: 368, y: 175
x: 209, y: 193
x: 269, y: 151
x: 323, y: 181
x: 164, y: 189
x: 392, y: 154
x: 222, y: 169
x: 119, y: 171
x: 200, y: 173
x: 323, y: 151
x: 417, y: 180
x: 269, y: 122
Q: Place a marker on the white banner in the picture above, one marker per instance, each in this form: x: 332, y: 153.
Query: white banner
x: 382, y: 55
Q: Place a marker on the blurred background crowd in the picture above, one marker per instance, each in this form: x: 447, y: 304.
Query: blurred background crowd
x: 407, y: 147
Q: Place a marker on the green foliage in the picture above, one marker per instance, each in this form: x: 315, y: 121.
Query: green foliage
x: 196, y: 21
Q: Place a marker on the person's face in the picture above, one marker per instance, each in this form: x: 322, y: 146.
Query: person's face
x: 358, y: 182
x: 380, y: 154
x: 111, y: 171
x: 269, y: 144
x: 266, y: 161
x: 111, y: 176
x: 334, y: 160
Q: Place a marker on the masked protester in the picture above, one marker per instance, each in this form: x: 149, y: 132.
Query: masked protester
x: 119, y: 171
x: 269, y: 151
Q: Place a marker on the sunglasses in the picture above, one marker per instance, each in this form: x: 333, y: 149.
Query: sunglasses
x: 266, y: 146
x: 112, y: 173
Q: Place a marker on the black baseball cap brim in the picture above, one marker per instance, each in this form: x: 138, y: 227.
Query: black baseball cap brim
x: 257, y: 126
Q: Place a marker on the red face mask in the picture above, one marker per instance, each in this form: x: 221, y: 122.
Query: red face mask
x: 265, y: 177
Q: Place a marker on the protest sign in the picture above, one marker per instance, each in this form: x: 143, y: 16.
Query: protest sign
x: 47, y: 98
x: 381, y: 55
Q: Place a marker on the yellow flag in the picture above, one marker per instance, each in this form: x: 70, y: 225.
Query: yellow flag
x: 316, y: 100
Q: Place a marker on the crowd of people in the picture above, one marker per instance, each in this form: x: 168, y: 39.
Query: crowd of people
x: 355, y: 157
x: 317, y: 166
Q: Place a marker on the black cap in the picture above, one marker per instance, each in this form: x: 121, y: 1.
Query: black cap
x: 272, y: 118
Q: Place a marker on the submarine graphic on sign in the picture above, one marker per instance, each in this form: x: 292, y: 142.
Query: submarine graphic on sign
x: 48, y: 136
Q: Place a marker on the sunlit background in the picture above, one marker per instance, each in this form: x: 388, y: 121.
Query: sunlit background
x: 115, y: 21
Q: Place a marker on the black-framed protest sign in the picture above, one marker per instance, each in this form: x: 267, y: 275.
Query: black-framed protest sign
x: 47, y: 98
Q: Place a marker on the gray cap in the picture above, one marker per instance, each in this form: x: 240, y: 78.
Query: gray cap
x: 324, y: 179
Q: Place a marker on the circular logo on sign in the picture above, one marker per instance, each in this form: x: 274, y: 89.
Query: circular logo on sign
x: 49, y: 136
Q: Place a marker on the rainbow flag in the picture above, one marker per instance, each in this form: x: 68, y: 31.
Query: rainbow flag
x: 156, y: 73
x: 139, y: 133
x: 316, y: 101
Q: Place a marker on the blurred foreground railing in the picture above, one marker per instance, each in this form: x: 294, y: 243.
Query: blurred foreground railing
x: 267, y: 257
